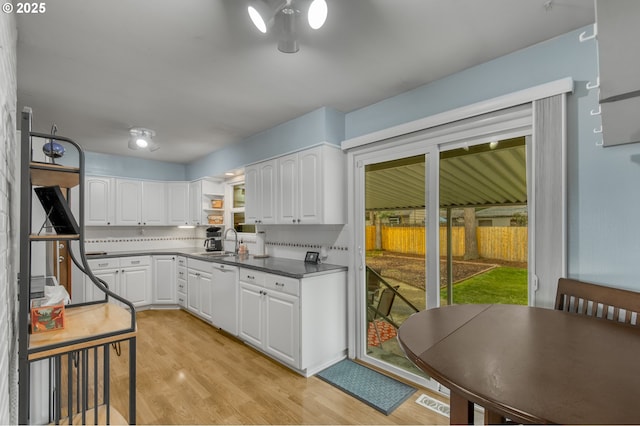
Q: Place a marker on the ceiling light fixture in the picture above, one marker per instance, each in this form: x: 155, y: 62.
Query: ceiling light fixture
x: 141, y: 138
x: 317, y: 15
x: 264, y: 13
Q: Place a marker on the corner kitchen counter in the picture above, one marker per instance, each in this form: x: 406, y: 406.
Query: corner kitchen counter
x: 275, y: 265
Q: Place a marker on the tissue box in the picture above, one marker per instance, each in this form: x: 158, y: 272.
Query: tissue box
x: 46, y: 317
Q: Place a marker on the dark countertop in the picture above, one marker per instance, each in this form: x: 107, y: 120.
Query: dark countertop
x: 275, y: 265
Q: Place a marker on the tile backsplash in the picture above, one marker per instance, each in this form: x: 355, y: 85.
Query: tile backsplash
x: 139, y: 238
x: 286, y: 241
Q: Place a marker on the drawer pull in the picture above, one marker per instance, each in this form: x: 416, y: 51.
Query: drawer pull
x: 103, y: 264
x: 280, y: 284
x: 135, y: 262
x: 251, y: 277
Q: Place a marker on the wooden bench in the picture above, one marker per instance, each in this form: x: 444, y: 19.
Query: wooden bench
x: 598, y: 301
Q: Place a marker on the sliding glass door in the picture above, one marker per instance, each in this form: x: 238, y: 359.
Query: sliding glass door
x: 395, y: 250
x: 472, y: 211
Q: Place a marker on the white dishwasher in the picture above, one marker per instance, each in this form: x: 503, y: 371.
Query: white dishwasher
x: 224, y: 297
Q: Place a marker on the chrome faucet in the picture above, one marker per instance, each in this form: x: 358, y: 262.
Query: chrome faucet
x: 236, y: 240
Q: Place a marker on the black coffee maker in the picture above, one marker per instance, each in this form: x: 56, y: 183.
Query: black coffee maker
x: 213, y: 242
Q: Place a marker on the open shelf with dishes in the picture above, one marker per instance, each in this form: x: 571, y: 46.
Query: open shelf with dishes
x: 214, y: 208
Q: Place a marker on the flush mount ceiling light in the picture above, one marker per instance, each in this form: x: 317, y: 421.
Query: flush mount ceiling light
x: 265, y: 13
x: 141, y: 138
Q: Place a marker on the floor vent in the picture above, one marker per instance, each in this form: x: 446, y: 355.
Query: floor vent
x: 433, y: 404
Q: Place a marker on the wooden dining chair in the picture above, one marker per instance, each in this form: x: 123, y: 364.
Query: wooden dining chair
x: 598, y: 301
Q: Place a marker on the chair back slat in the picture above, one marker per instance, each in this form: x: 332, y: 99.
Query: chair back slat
x: 598, y: 301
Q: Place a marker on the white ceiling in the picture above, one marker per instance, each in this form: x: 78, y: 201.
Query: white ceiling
x: 199, y: 74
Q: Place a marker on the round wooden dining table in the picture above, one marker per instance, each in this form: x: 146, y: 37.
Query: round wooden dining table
x: 527, y: 364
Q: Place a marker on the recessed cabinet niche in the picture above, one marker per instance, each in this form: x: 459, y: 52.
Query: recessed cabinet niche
x: 306, y: 187
x: 130, y: 202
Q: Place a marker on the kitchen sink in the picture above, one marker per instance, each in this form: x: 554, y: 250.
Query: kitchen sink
x: 215, y: 253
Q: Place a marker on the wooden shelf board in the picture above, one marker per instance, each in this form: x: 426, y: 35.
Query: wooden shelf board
x: 83, y: 322
x: 43, y: 174
x: 115, y: 418
x: 214, y: 210
x: 214, y: 196
x: 54, y: 237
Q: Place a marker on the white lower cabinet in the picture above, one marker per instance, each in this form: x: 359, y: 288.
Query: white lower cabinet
x: 199, y: 288
x: 128, y: 277
x: 270, y: 321
x: 164, y: 279
x: 300, y: 322
x: 282, y: 327
x: 181, y: 282
x: 135, y: 285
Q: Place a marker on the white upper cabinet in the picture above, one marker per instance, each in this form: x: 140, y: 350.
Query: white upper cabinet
x: 288, y: 189
x: 154, y: 203
x: 260, y: 188
x: 306, y: 187
x: 311, y: 187
x: 128, y: 202
x: 195, y: 203
x: 177, y: 203
x: 267, y: 190
x: 251, y: 194
x: 99, y: 201
x: 311, y: 195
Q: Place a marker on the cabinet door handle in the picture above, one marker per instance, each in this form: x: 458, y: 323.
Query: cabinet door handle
x: 108, y: 223
x: 294, y: 221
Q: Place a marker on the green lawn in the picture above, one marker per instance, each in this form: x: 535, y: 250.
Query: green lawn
x: 499, y: 285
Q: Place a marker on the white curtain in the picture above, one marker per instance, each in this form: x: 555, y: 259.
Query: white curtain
x: 546, y: 163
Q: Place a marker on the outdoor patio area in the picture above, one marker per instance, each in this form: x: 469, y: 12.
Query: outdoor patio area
x: 477, y: 281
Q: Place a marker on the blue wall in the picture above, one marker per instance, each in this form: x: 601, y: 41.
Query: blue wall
x: 322, y: 125
x: 133, y: 167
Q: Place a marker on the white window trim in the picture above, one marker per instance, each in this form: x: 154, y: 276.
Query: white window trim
x: 520, y: 97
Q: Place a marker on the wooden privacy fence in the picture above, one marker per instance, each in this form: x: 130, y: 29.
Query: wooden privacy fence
x: 494, y: 242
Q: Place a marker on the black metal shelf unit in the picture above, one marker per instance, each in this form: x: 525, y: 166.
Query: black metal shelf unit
x: 79, y: 360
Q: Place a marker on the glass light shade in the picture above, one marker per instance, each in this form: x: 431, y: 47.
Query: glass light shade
x: 317, y: 14
x: 142, y: 143
x: 257, y: 19
x: 53, y: 149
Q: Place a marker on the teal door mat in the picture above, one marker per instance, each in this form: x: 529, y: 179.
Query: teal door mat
x: 374, y: 389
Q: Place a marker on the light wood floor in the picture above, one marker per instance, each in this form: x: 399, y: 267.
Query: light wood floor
x: 190, y: 373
